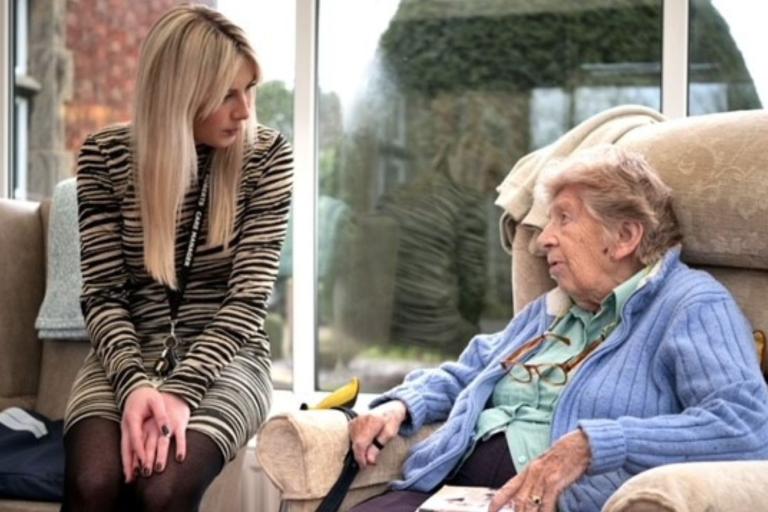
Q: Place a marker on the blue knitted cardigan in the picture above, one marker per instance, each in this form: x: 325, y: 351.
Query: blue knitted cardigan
x: 677, y: 381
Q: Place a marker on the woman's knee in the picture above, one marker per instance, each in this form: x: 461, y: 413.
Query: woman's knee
x: 93, y: 490
x: 181, y: 486
x: 160, y: 493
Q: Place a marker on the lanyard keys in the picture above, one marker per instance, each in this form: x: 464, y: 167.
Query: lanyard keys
x: 168, y: 357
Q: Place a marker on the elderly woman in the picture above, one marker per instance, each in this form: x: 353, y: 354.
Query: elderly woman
x: 633, y: 361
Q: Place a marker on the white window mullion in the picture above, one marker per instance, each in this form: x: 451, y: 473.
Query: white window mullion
x: 674, y: 69
x: 5, y: 96
x: 304, y: 297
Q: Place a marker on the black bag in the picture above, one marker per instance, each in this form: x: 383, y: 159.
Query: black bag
x: 31, y: 456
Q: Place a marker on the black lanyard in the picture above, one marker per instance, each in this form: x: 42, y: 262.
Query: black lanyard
x: 168, y: 357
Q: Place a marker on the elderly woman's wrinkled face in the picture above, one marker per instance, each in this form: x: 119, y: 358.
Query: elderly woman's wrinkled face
x: 578, y: 251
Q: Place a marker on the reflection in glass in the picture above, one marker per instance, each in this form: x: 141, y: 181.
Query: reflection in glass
x: 727, y: 69
x: 438, y: 101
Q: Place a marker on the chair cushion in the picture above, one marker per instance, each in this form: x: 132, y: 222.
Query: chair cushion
x: 718, y: 168
x: 28, y: 506
x: 695, y: 487
x: 58, y: 368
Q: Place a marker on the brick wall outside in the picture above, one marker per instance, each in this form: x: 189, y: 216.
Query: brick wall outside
x: 104, y: 37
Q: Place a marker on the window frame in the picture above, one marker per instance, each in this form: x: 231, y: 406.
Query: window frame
x: 674, y: 58
x: 305, y: 142
x: 6, y: 100
x: 23, y: 90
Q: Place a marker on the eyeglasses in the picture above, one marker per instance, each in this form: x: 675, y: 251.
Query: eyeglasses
x: 552, y: 373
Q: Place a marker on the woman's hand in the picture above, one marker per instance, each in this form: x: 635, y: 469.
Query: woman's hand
x: 142, y: 404
x: 156, y: 443
x: 155, y: 448
x: 537, y: 488
x: 178, y: 415
x: 371, y: 431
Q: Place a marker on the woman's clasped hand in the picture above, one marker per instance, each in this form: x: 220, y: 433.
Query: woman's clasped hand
x: 150, y: 419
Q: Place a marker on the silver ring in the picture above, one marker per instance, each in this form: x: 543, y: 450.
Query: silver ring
x: 536, y: 500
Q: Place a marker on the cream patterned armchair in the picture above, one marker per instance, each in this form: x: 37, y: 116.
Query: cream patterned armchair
x: 718, y: 167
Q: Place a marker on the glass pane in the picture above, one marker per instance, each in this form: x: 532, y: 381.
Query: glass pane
x: 424, y: 105
x: 727, y: 68
x: 74, y: 73
x: 271, y: 29
x: 75, y: 66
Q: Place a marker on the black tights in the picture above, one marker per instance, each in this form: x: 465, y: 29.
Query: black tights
x: 94, y: 477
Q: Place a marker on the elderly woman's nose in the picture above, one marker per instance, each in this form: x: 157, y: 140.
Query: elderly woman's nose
x: 545, y: 239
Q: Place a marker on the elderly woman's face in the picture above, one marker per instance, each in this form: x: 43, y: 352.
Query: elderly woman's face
x: 577, y: 251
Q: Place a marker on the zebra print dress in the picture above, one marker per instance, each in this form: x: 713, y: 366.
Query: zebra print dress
x: 224, y: 372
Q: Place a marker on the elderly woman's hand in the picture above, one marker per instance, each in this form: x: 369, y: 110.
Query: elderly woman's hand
x: 541, y: 483
x: 371, y: 431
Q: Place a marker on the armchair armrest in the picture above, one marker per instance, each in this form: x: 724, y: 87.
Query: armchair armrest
x: 696, y: 486
x: 303, y: 454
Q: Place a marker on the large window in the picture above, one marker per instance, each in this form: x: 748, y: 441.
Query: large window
x: 418, y: 121
x: 404, y: 120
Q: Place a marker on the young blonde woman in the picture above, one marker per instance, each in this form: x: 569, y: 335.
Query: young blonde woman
x: 182, y: 217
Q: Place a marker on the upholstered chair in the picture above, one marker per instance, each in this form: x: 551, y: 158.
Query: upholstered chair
x: 717, y: 166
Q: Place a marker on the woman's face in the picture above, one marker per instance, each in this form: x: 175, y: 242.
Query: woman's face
x: 578, y: 251
x: 223, y: 126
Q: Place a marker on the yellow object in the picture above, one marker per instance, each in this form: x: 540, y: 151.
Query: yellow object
x: 762, y: 350
x: 345, y: 396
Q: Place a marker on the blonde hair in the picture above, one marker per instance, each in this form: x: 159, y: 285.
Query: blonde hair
x: 188, y: 62
x: 617, y: 185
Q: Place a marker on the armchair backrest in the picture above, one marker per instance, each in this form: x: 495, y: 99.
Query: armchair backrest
x: 34, y: 373
x: 717, y: 166
x: 22, y: 285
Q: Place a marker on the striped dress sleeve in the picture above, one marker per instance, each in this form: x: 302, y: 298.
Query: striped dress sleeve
x: 104, y: 298
x: 240, y: 319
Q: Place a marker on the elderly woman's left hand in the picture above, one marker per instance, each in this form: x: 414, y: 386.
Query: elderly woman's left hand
x: 537, y: 488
